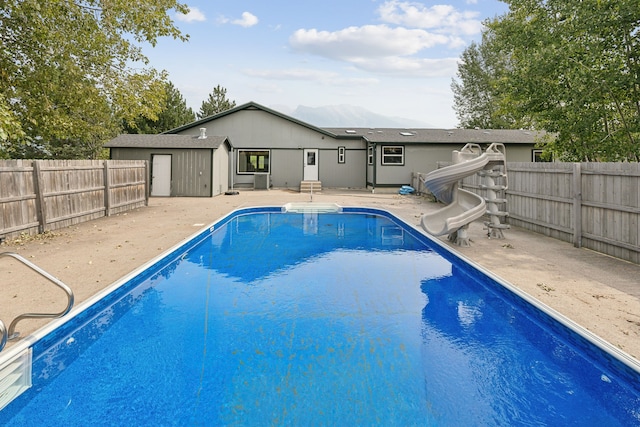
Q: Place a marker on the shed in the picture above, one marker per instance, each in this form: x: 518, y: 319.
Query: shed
x: 180, y: 165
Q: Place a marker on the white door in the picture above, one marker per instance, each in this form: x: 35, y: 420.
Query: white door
x: 310, y: 165
x: 161, y: 175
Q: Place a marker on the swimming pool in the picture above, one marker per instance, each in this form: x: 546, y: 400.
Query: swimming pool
x: 351, y: 318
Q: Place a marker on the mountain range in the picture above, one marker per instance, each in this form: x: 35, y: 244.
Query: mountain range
x: 348, y: 116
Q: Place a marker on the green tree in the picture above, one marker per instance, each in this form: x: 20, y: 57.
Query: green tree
x: 575, y: 70
x: 72, y: 71
x: 217, y: 102
x: 175, y: 113
x: 477, y: 96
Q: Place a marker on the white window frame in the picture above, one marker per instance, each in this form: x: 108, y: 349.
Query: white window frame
x: 386, y: 157
x: 342, y: 154
x: 260, y: 166
x: 370, y: 155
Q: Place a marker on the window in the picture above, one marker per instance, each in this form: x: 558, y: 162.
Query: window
x: 536, y: 156
x: 252, y: 161
x: 393, y: 155
x: 341, y: 154
x: 370, y: 155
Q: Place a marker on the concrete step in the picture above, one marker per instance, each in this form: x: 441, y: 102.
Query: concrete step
x: 309, y: 186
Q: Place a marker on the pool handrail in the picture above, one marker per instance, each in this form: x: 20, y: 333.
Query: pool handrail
x: 11, y: 334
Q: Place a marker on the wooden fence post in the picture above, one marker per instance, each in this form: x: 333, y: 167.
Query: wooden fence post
x: 147, y: 183
x: 107, y: 189
x: 41, y: 210
x: 577, y: 205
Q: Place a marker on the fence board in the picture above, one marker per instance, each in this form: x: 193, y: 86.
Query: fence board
x: 41, y: 195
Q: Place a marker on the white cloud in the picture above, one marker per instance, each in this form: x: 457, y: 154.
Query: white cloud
x: 440, y: 18
x: 194, y: 15
x: 248, y: 20
x: 369, y: 41
x: 380, y: 49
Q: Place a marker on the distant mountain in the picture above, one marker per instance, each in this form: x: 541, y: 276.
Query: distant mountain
x: 351, y: 116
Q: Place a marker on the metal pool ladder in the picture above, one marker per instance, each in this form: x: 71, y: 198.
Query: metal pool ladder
x: 11, y: 334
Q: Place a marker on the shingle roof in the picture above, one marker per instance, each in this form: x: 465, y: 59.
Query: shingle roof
x: 165, y: 141
x: 444, y: 136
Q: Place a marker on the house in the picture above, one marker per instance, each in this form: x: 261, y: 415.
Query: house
x: 265, y: 148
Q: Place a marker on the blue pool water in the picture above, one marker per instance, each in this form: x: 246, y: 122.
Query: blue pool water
x: 319, y: 319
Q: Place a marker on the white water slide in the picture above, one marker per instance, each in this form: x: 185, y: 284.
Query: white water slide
x: 463, y: 207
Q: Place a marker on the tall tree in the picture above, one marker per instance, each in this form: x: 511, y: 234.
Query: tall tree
x: 175, y: 113
x: 477, y: 97
x: 575, y: 68
x: 72, y: 71
x: 217, y: 102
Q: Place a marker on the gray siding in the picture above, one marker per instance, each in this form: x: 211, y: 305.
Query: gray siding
x: 260, y: 129
x: 286, y: 168
x: 343, y: 175
x: 416, y: 158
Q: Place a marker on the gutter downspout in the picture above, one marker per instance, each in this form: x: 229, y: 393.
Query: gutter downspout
x: 375, y: 172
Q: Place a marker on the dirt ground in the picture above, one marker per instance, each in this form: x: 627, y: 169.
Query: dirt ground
x: 600, y: 293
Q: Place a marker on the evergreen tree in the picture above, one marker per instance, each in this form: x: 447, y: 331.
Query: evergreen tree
x: 175, y: 113
x: 217, y: 102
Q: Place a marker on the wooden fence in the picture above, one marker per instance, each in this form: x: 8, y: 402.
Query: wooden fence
x: 45, y: 195
x: 592, y: 205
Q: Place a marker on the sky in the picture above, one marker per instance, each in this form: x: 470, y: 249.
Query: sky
x: 395, y: 58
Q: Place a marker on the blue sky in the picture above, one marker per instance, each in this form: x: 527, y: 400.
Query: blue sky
x: 395, y: 58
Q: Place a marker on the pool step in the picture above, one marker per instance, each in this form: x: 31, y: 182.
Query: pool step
x: 15, y: 377
x: 311, y: 207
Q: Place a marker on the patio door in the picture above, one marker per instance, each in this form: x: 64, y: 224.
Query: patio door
x: 161, y: 175
x: 310, y: 172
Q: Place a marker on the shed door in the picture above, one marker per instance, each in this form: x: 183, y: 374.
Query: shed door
x: 161, y: 175
x: 310, y: 165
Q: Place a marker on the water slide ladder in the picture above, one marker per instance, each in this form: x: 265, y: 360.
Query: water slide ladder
x: 15, y: 373
x: 495, y: 182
